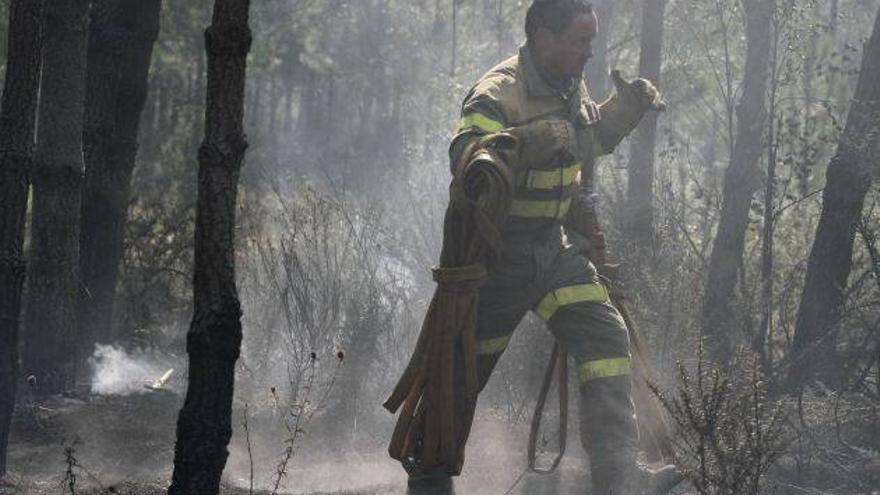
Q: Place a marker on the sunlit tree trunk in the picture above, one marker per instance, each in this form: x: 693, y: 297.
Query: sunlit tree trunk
x: 640, y: 186
x: 121, y: 40
x: 17, y: 117
x: 848, y: 179
x: 204, y: 425
x: 720, y: 323
x: 53, y: 282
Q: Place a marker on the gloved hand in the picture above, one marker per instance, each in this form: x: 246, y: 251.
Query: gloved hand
x: 640, y: 95
x: 622, y: 112
x: 544, y: 141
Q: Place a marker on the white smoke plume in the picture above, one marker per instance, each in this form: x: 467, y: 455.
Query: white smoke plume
x: 118, y: 372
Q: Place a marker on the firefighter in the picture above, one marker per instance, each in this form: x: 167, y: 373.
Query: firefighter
x: 539, y: 98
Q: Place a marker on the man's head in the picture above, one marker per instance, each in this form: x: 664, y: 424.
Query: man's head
x: 560, y: 35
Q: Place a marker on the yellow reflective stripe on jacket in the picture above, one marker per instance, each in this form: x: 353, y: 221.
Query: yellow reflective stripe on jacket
x: 551, y: 208
x: 479, y: 121
x: 493, y: 346
x: 570, y: 295
x: 604, y: 368
x: 549, y: 179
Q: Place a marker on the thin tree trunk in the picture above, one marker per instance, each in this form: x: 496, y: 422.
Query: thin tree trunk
x: 848, y: 180
x: 763, y: 342
x: 741, y: 180
x: 120, y: 48
x: 53, y: 285
x: 499, y: 27
x: 289, y: 106
x: 17, y: 118
x: 204, y: 426
x: 452, y: 60
x: 307, y: 118
x: 274, y: 98
x: 640, y: 188
x: 810, y: 60
x: 834, y: 15
x: 597, y: 68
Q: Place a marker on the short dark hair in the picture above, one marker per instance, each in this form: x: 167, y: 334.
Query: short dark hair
x: 554, y: 15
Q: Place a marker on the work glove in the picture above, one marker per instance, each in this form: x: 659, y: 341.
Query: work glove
x: 622, y: 112
x: 543, y: 142
x: 640, y: 95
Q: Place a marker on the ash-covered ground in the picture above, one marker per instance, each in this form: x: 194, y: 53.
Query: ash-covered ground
x: 122, y: 441
x: 126, y: 443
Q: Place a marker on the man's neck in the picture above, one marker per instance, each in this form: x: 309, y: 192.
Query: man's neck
x: 559, y: 83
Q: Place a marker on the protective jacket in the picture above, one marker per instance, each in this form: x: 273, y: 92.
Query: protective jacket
x: 513, y: 94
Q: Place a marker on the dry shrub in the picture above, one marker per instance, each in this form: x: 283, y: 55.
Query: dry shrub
x: 730, y: 433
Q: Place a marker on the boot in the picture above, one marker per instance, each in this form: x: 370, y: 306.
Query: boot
x: 615, y: 475
x: 609, y: 435
x: 430, y: 484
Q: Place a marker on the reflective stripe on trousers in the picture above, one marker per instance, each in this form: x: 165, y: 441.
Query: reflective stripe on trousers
x: 546, y: 308
x: 564, y: 296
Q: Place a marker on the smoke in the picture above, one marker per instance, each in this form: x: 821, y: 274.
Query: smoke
x: 118, y: 372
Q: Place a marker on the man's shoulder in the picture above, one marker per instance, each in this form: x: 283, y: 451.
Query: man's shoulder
x: 499, y: 83
x: 507, y: 69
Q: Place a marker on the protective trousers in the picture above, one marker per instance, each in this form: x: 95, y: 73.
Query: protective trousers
x: 561, y: 286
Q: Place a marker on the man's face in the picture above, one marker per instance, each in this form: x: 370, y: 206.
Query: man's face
x: 566, y: 53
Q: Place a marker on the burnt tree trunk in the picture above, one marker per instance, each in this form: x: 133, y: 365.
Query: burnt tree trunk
x: 17, y: 118
x: 204, y: 426
x: 50, y: 306
x: 720, y: 323
x: 121, y: 40
x: 640, y: 188
x: 847, y: 181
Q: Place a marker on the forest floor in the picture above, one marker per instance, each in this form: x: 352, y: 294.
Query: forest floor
x: 125, y: 444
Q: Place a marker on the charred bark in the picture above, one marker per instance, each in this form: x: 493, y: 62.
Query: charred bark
x: 50, y: 307
x: 17, y: 118
x: 214, y: 339
x: 720, y: 323
x: 121, y: 39
x: 848, y: 179
x: 640, y: 188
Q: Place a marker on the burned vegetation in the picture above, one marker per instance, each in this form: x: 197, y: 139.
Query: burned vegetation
x: 223, y: 223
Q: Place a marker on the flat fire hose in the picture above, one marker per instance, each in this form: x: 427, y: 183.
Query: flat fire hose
x: 655, y: 425
x: 558, y: 365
